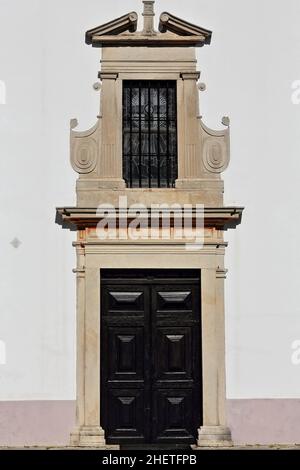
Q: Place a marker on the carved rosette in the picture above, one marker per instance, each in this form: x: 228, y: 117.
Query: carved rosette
x: 216, y: 151
x: 84, y: 149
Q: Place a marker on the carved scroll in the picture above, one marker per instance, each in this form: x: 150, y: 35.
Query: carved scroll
x: 216, y: 148
x: 84, y: 148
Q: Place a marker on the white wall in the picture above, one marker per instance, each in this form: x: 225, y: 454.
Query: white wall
x: 48, y: 72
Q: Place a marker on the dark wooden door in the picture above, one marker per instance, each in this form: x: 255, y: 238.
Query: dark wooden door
x: 150, y: 356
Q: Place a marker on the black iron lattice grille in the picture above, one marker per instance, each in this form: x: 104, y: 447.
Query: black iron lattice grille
x: 149, y: 134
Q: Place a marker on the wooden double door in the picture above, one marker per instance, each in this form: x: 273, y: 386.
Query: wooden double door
x: 151, y: 390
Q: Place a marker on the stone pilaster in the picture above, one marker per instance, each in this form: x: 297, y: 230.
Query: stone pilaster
x: 88, y: 432
x: 189, y: 163
x: 110, y: 167
x: 80, y: 332
x: 214, y: 431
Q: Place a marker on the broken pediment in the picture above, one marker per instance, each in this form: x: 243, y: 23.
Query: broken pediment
x: 113, y: 28
x: 168, y: 22
x: 173, y: 31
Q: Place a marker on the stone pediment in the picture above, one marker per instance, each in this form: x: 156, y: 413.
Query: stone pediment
x: 173, y: 31
x: 112, y: 28
x: 179, y: 27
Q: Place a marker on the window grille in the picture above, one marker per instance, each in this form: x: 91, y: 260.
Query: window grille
x: 149, y: 134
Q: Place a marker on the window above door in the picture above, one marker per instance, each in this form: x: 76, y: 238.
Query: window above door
x: 149, y: 133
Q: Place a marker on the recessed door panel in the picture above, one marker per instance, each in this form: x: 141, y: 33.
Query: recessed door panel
x: 120, y: 299
x: 174, y: 300
x: 173, y: 414
x: 126, y: 353
x: 126, y: 408
x: 172, y: 352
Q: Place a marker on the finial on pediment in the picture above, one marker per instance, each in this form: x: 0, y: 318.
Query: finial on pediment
x: 148, y: 15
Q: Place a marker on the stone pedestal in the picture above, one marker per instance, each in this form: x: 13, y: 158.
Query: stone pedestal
x: 90, y: 436
x: 214, y: 436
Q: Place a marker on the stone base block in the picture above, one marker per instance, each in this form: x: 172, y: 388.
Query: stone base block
x: 214, y: 436
x: 90, y: 436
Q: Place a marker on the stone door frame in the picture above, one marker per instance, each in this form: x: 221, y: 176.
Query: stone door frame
x: 92, y: 256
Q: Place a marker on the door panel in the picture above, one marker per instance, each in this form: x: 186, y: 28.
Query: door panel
x: 126, y: 408
x: 173, y: 415
x: 124, y: 299
x: 172, y: 352
x: 174, y: 300
x: 126, y: 353
x: 150, y: 356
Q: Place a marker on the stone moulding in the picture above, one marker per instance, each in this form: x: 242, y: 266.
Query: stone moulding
x: 76, y: 217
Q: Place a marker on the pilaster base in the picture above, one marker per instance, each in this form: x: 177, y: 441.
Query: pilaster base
x: 214, y: 436
x: 74, y: 437
x: 90, y: 436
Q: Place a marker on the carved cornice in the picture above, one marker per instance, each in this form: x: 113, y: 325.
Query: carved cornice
x: 142, y: 40
x: 190, y: 75
x: 76, y: 218
x: 108, y: 76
